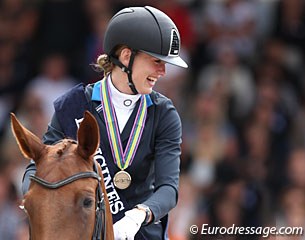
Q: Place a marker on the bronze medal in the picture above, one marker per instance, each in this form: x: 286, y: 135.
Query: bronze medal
x: 122, y: 179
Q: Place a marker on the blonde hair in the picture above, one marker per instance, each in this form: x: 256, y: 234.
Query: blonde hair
x: 103, y: 63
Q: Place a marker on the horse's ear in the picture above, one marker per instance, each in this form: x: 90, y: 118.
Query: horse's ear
x: 88, y: 136
x: 29, y: 144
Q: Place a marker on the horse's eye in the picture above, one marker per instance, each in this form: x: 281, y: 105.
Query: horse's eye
x: 88, y: 202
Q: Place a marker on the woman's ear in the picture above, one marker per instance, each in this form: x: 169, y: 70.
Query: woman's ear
x: 125, y: 56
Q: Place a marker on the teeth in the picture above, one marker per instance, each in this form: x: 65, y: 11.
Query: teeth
x: 152, y: 79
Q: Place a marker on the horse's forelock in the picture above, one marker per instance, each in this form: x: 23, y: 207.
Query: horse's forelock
x: 61, y: 150
x: 64, y: 146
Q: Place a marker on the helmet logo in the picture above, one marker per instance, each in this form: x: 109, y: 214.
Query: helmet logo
x: 174, y: 44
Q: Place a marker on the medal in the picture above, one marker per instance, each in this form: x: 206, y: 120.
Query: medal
x: 122, y: 159
x: 122, y: 179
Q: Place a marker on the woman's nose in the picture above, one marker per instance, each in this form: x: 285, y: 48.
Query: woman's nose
x: 161, y: 69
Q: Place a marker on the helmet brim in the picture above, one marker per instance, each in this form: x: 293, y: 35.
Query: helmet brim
x: 177, y: 61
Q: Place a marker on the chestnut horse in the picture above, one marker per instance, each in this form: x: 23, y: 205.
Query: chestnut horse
x: 67, y: 197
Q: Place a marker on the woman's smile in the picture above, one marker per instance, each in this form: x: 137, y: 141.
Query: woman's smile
x: 152, y: 81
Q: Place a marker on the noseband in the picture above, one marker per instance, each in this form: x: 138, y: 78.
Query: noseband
x: 100, y: 213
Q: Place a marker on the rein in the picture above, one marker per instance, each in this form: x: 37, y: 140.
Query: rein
x: 100, y: 212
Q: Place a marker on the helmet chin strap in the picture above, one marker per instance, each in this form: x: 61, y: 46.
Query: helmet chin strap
x: 127, y: 70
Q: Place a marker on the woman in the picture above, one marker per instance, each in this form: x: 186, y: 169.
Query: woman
x: 140, y: 129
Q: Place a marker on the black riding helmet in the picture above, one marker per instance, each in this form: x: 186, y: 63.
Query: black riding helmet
x: 145, y: 29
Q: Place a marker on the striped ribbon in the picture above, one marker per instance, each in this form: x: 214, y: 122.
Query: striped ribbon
x: 122, y: 159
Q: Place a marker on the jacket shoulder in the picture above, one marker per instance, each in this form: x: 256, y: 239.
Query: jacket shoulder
x: 159, y: 99
x: 72, y: 97
x: 71, y: 106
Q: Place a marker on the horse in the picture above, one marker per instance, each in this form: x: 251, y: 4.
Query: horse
x: 67, y: 198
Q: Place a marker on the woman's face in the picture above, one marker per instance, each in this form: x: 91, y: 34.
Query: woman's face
x: 146, y: 71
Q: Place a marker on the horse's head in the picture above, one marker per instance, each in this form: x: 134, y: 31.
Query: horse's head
x: 60, y: 209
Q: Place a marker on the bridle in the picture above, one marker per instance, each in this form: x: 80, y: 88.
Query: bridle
x: 100, y: 212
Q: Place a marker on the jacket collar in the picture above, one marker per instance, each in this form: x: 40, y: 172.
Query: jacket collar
x: 96, y: 94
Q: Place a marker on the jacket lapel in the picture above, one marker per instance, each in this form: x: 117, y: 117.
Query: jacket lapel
x: 102, y: 126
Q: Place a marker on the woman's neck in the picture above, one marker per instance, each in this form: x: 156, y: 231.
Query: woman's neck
x: 120, y: 81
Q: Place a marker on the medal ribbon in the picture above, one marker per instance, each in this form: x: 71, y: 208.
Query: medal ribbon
x: 122, y: 159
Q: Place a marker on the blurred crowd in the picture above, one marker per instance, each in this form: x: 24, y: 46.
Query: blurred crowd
x: 241, y: 101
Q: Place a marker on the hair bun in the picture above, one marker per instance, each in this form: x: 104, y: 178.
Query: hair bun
x: 103, y: 64
x: 103, y: 60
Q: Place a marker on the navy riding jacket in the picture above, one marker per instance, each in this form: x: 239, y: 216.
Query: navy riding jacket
x: 155, y: 168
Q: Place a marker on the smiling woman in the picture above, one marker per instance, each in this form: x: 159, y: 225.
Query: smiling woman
x: 140, y: 129
x: 147, y: 71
